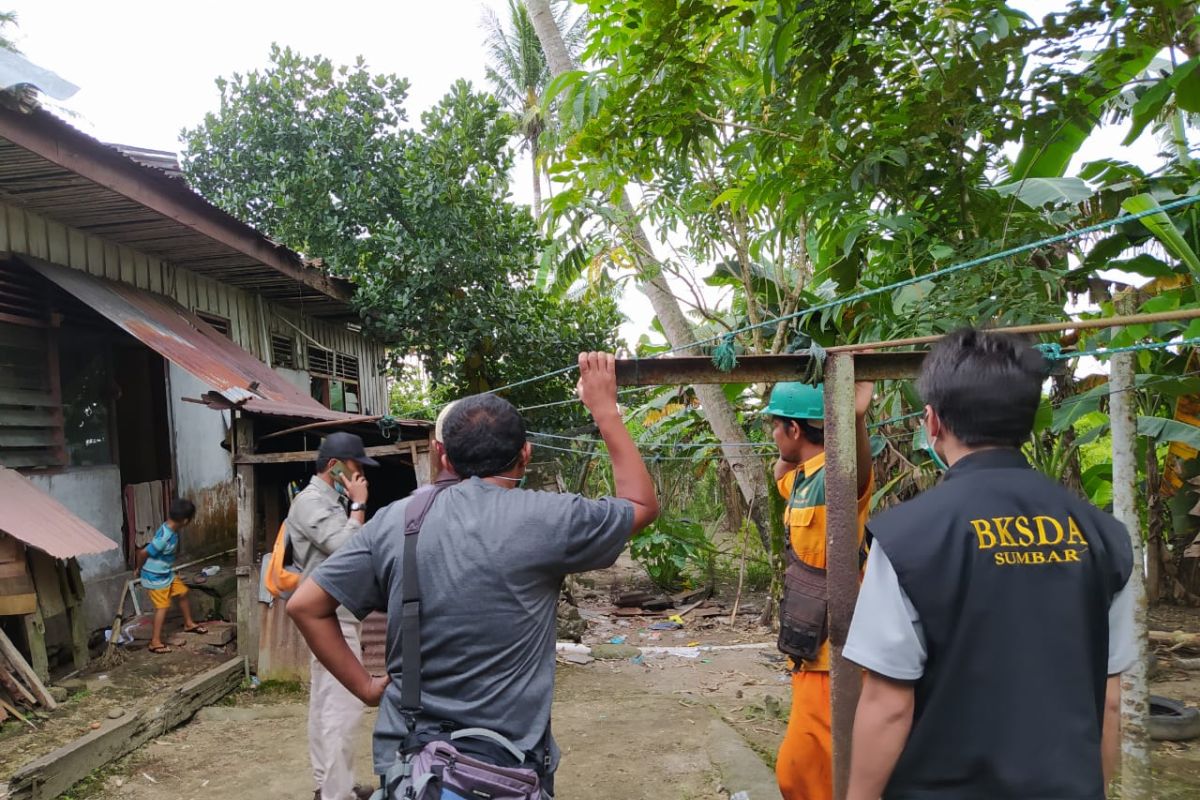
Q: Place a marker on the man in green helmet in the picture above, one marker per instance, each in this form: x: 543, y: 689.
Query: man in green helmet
x: 804, y: 767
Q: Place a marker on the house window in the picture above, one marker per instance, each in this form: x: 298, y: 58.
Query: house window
x: 334, y: 379
x: 283, y: 351
x: 221, y: 324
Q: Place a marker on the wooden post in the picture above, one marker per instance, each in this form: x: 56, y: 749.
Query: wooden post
x: 35, y: 637
x: 72, y: 592
x: 1135, y: 692
x: 842, y: 547
x: 247, y: 537
x: 423, y: 466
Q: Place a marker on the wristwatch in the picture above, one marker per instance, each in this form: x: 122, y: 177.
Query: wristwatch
x: 357, y: 506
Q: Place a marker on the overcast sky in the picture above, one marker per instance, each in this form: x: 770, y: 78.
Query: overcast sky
x: 146, y: 69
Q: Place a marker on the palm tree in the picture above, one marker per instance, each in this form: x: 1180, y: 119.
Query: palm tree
x: 519, y: 74
x: 7, y: 18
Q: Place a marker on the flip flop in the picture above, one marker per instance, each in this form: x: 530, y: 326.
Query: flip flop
x: 160, y: 650
x: 196, y: 629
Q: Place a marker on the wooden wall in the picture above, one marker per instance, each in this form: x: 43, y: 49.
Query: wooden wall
x: 23, y: 232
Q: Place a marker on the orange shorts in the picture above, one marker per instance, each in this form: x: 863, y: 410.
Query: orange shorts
x: 161, y: 598
x: 804, y: 767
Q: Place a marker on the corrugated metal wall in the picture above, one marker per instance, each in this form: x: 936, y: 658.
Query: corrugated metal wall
x: 24, y: 232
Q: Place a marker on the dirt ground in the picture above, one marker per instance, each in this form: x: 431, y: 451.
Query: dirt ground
x: 661, y: 727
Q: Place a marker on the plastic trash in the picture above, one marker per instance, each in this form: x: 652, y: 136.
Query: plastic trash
x: 740, y: 796
x: 208, y: 572
x: 678, y: 620
x: 617, y: 640
x: 666, y: 625
x: 639, y: 660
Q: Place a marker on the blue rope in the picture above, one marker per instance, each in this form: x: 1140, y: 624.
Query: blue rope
x: 727, y: 338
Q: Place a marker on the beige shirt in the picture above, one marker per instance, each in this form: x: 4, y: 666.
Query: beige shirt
x: 318, y: 526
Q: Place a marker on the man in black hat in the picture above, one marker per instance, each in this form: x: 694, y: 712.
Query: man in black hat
x: 321, y: 520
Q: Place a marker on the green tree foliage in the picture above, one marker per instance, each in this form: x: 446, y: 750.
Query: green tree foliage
x: 518, y: 73
x: 320, y: 157
x: 8, y: 19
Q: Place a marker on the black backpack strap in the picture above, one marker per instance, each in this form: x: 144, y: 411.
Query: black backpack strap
x: 410, y: 609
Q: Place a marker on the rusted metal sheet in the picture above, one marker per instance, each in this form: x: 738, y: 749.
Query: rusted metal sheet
x: 283, y: 655
x: 188, y: 342
x: 53, y: 169
x: 34, y: 517
x: 758, y: 369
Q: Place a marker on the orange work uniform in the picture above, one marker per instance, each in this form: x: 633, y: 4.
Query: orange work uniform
x: 804, y: 767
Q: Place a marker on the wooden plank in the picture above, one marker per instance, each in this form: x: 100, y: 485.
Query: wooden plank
x: 54, y: 773
x: 24, y: 397
x: 47, y: 584
x: 247, y: 537
x: 39, y: 244
x: 33, y: 418
x: 758, y: 369
x: 17, y: 605
x: 841, y: 548
x: 60, y: 250
x: 22, y: 337
x: 35, y: 637
x: 25, y: 672
x: 22, y: 378
x: 17, y: 239
x: 16, y: 689
x: 29, y: 458
x: 79, y: 249
x: 31, y: 437
x: 396, y: 449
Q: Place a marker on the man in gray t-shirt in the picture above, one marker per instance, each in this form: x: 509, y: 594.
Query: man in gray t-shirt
x: 491, y: 558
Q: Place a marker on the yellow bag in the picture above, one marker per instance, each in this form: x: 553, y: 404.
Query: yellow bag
x: 282, y: 576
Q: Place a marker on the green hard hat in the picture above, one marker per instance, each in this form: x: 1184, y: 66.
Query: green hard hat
x: 797, y: 400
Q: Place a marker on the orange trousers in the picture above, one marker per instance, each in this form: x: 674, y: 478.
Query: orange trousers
x: 804, y: 767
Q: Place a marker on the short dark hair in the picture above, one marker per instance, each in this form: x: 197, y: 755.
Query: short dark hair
x: 811, y: 432
x: 984, y: 386
x: 483, y: 435
x: 181, y: 510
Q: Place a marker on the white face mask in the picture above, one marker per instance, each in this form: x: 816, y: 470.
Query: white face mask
x: 930, y: 445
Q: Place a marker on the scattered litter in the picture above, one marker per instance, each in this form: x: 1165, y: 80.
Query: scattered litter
x: 706, y: 661
x: 666, y: 625
x: 208, y: 572
x: 204, y: 783
x: 124, y: 638
x: 95, y: 726
x: 572, y: 647
x: 740, y: 796
x: 578, y: 658
x: 678, y: 620
x: 254, y: 684
x: 693, y: 644
x: 147, y: 777
x: 638, y: 660
x: 617, y: 640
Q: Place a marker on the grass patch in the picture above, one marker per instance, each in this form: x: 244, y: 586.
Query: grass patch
x: 94, y: 783
x: 267, y: 691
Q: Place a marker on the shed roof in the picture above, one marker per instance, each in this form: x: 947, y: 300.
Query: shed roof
x: 29, y: 514
x: 190, y: 343
x: 57, y: 171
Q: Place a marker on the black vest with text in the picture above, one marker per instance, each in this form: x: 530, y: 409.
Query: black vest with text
x: 1011, y: 576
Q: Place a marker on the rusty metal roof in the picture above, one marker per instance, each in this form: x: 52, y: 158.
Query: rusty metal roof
x: 125, y: 196
x: 29, y: 514
x: 189, y: 343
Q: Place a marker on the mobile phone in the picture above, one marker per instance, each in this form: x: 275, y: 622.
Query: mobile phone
x: 337, y: 470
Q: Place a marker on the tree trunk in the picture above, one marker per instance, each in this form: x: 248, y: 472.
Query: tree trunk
x: 1135, y: 691
x: 534, y: 152
x: 747, y: 469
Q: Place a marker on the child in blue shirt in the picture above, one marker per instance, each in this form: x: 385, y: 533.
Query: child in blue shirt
x: 157, y: 564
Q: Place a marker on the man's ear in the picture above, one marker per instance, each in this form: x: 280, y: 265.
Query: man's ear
x: 933, y: 423
x: 444, y: 460
x: 526, y: 455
